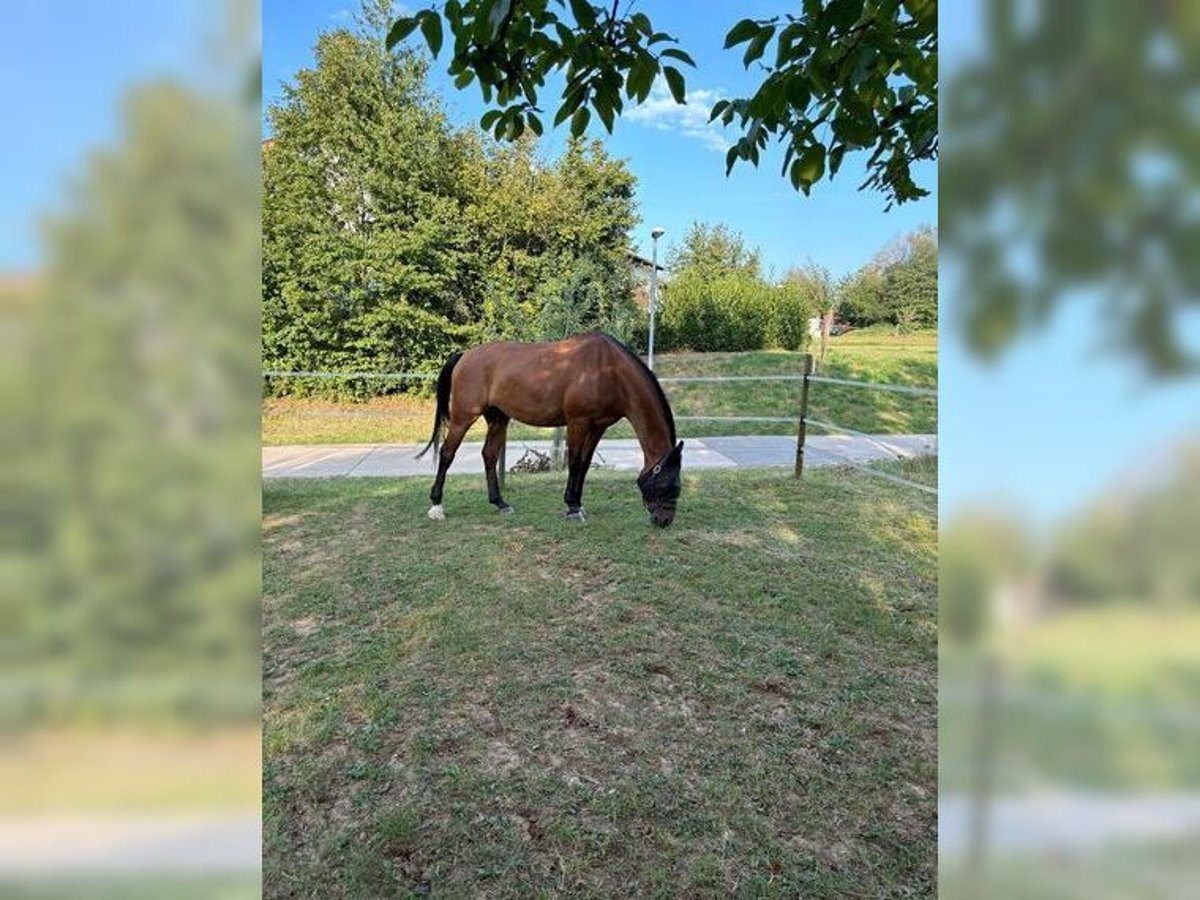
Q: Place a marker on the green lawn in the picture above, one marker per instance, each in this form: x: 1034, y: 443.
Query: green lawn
x: 872, y: 354
x: 742, y: 704
x: 1098, y: 698
x: 1161, y: 870
x: 149, y: 886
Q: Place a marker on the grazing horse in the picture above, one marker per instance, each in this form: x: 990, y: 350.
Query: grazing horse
x: 587, y: 382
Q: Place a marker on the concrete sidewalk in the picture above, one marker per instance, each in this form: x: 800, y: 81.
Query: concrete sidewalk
x: 395, y: 460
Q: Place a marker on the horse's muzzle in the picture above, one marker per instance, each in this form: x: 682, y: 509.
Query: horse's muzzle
x: 661, y: 515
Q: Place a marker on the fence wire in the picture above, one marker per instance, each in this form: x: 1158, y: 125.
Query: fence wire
x: 696, y: 379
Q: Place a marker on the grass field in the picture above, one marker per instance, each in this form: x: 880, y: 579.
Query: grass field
x: 96, y: 771
x: 1161, y: 870
x: 743, y: 704
x: 148, y: 886
x: 872, y: 354
x: 1099, y: 698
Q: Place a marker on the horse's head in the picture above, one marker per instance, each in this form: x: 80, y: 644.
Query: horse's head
x: 660, y: 487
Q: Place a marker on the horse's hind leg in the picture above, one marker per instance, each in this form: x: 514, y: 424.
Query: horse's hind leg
x: 454, y: 435
x: 497, y: 434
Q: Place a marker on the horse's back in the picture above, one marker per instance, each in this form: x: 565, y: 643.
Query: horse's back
x: 531, y: 382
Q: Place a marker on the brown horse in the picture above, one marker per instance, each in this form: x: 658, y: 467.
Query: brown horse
x: 587, y: 382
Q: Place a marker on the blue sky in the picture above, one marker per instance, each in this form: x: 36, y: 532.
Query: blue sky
x: 77, y: 61
x: 1057, y: 421
x: 678, y: 159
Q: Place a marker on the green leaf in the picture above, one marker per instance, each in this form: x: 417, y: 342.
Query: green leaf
x: 854, y: 131
x: 731, y: 156
x: 535, y: 124
x: 641, y: 77
x: 719, y: 107
x: 742, y: 31
x: 579, y: 121
x: 401, y: 29
x: 489, y: 119
x: 565, y: 36
x: 571, y: 100
x: 431, y: 28
x: 496, y: 16
x: 606, y: 113
x: 464, y: 79
x: 758, y: 45
x: 585, y: 13
x: 843, y: 13
x: 835, y: 158
x: 676, y: 53
x: 642, y: 23
x: 676, y: 84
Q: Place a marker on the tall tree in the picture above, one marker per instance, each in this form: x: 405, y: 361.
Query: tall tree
x: 391, y: 237
x: 366, y: 250
x: 846, y: 76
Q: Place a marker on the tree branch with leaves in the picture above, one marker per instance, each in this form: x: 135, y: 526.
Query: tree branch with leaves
x: 845, y: 76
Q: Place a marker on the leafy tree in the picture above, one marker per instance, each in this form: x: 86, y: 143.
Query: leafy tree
x: 814, y: 283
x: 717, y: 299
x: 713, y: 250
x: 141, y: 599
x: 367, y: 255
x: 1138, y: 547
x: 845, y: 76
x: 979, y: 553
x: 861, y: 297
x: 391, y: 238
x: 898, y: 286
x: 910, y: 282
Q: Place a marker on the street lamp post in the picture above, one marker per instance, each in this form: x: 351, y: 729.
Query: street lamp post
x: 654, y: 236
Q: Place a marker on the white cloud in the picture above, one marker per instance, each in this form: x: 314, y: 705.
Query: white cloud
x: 689, y: 119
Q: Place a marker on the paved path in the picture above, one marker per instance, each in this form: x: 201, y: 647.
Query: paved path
x: 391, y: 460
x: 70, y: 844
x: 1062, y: 821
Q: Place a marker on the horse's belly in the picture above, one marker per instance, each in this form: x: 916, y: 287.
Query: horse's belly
x: 540, y: 417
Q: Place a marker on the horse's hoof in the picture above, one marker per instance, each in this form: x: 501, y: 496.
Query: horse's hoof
x: 505, y: 510
x: 576, y: 515
x: 437, y: 513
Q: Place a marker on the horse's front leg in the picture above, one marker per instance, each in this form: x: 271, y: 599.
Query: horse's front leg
x: 576, y: 432
x: 581, y: 444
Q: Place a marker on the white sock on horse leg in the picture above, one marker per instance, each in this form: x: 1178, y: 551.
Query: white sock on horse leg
x: 437, y: 513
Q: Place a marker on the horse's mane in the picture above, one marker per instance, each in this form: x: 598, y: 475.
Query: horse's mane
x: 652, y: 379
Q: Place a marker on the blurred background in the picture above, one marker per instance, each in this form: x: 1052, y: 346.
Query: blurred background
x: 1070, y: 395
x: 129, y: 315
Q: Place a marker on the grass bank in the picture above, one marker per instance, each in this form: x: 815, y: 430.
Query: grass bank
x: 872, y: 354
x: 741, y: 704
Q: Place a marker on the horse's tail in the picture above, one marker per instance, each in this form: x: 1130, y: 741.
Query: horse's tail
x: 441, y: 416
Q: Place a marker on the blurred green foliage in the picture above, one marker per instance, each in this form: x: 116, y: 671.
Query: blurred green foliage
x: 1071, y: 171
x: 391, y: 238
x: 1141, y: 546
x: 132, y: 505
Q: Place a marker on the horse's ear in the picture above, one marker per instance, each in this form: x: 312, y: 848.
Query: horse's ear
x: 678, y: 451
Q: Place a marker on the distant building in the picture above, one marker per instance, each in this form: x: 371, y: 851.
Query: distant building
x: 642, y: 268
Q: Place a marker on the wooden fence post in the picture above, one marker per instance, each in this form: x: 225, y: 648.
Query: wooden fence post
x: 801, y: 430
